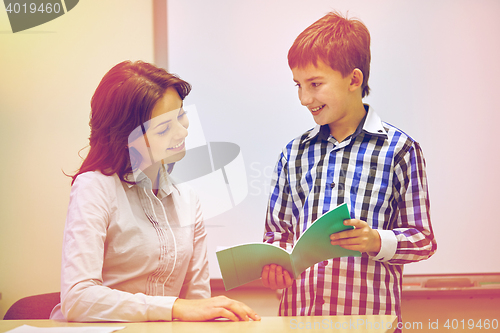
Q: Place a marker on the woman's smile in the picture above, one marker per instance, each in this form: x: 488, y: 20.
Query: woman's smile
x: 178, y: 147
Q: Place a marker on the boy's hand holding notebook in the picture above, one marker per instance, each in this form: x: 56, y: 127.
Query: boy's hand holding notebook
x: 243, y: 263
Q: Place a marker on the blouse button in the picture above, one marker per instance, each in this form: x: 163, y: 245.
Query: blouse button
x: 332, y: 184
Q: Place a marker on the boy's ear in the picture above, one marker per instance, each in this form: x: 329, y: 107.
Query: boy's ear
x: 356, y: 79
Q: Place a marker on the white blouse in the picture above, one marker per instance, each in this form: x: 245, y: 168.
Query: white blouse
x: 128, y: 254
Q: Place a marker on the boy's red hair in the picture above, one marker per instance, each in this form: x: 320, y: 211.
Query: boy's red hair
x: 341, y: 43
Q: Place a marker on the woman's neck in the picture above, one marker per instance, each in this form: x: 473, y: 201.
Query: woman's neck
x: 153, y: 173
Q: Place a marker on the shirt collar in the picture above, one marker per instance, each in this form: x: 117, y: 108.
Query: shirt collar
x: 140, y: 179
x: 370, y: 124
x: 373, y: 124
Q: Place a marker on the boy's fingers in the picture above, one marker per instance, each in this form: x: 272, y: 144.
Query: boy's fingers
x: 288, y: 279
x: 284, y: 278
x: 343, y: 234
x: 346, y: 241
x: 348, y: 222
x: 355, y: 223
x: 275, y: 277
x: 280, y: 283
x: 265, y: 276
x: 272, y: 277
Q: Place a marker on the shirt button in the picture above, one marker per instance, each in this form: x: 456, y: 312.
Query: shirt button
x: 332, y: 184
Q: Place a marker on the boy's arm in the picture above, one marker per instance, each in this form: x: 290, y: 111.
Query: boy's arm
x: 278, y: 227
x: 411, y: 238
x: 413, y: 230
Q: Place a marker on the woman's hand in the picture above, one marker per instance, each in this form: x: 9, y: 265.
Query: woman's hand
x: 275, y: 277
x: 211, y: 308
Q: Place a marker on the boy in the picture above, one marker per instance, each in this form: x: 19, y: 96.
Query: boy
x: 350, y: 156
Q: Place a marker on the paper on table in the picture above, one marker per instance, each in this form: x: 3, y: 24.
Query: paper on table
x: 82, y: 329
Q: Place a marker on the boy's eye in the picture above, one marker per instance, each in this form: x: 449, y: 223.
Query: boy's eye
x: 297, y: 85
x: 315, y: 84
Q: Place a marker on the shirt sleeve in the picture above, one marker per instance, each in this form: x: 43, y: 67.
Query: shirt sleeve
x: 197, y: 280
x: 83, y: 296
x: 413, y: 230
x: 278, y: 227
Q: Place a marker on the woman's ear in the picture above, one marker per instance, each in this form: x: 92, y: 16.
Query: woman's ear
x: 135, y: 158
x: 356, y: 79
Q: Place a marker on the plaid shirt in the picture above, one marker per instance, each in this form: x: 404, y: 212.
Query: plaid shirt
x: 379, y: 171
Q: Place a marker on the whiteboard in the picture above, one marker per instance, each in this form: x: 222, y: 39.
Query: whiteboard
x: 434, y: 74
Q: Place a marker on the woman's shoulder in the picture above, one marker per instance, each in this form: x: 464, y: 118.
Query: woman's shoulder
x: 96, y: 179
x: 95, y: 188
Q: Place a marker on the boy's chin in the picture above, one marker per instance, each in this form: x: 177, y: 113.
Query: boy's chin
x: 320, y: 121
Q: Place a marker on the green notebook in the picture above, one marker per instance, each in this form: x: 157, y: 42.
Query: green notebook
x: 243, y: 263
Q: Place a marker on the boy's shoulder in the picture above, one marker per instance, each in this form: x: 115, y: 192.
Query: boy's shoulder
x: 396, y: 132
x: 373, y: 126
x: 297, y: 143
x: 376, y: 127
x: 400, y: 140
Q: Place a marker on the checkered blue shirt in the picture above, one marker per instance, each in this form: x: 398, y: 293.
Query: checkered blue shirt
x: 379, y: 171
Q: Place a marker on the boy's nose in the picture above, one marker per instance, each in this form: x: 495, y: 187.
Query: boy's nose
x: 305, y: 98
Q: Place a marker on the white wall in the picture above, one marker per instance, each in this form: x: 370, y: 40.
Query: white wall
x: 47, y: 77
x: 434, y: 74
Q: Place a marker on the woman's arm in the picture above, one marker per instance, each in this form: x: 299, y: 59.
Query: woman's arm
x: 197, y: 280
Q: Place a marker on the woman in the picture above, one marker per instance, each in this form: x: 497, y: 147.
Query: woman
x: 134, y: 243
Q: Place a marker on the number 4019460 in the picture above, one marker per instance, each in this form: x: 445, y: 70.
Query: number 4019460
x: 33, y: 8
x: 471, y: 324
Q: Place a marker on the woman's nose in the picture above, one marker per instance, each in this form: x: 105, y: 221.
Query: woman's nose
x: 182, y: 126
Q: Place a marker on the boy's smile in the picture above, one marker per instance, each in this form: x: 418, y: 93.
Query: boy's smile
x: 316, y: 110
x: 332, y: 99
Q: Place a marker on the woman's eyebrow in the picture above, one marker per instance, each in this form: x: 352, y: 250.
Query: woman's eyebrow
x: 167, y: 121
x: 162, y: 123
